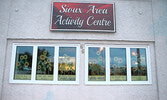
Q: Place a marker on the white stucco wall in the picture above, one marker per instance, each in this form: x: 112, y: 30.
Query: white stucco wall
x: 4, y: 19
x: 81, y: 91
x: 160, y: 27
x: 33, y: 18
x: 137, y: 22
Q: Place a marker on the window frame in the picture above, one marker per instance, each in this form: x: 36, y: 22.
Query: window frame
x: 34, y: 63
x: 128, y: 62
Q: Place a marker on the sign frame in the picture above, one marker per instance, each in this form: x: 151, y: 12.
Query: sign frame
x: 82, y: 30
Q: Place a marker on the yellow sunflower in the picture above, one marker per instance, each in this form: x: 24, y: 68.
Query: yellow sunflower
x: 45, y: 52
x: 25, y: 56
x: 39, y: 67
x: 21, y: 57
x: 18, y: 64
x: 42, y: 57
x: 26, y: 64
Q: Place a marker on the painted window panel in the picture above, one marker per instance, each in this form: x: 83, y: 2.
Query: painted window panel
x: 96, y: 64
x: 118, y: 71
x: 23, y: 63
x: 116, y: 60
x: 45, y: 63
x: 138, y: 64
x: 67, y: 64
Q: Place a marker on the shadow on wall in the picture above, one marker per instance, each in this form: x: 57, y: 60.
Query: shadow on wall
x: 161, y: 21
x: 49, y: 96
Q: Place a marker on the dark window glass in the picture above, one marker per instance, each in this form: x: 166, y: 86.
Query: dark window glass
x: 118, y: 64
x: 67, y: 64
x: 23, y: 63
x: 96, y: 64
x: 45, y: 63
x: 138, y: 64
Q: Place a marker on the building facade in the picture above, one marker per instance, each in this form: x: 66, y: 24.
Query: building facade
x: 83, y: 65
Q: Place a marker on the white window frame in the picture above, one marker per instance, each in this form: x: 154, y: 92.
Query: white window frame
x: 34, y: 64
x: 128, y: 62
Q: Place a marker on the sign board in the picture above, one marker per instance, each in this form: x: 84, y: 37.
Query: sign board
x: 82, y: 17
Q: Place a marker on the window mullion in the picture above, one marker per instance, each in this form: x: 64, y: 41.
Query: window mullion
x: 128, y: 64
x: 77, y: 63
x: 13, y: 63
x: 86, y: 64
x: 148, y: 64
x: 34, y: 63
x: 56, y: 56
x: 107, y: 65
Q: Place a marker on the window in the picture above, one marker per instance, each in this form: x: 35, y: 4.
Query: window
x: 23, y: 63
x: 67, y: 64
x: 59, y: 64
x: 138, y: 64
x: 96, y: 64
x: 117, y: 64
x: 45, y: 63
x: 53, y: 64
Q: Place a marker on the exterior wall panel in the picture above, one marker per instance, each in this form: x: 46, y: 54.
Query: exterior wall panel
x: 160, y: 24
x: 138, y: 22
x: 81, y: 91
x: 4, y: 19
x: 133, y: 22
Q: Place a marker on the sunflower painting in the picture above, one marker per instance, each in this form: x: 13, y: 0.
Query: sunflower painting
x: 45, y: 63
x: 23, y: 63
